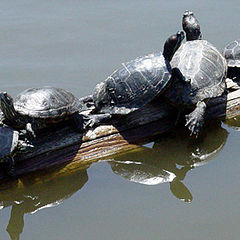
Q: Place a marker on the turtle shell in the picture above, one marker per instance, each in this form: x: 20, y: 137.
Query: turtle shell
x: 9, y: 141
x: 46, y: 102
x: 200, y: 62
x: 132, y: 86
x: 232, y: 53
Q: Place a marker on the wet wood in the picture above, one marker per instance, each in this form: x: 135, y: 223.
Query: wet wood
x: 69, y: 149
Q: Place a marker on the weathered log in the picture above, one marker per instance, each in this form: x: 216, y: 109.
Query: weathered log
x: 65, y: 147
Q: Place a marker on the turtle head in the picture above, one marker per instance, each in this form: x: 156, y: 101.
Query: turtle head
x: 6, y: 104
x: 172, y: 44
x: 191, y: 26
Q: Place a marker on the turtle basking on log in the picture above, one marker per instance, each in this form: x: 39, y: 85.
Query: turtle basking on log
x: 38, y: 108
x: 204, y: 66
x: 136, y: 83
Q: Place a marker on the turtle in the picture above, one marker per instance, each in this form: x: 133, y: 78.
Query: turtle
x: 231, y: 53
x: 38, y: 108
x: 205, y: 68
x: 10, y: 145
x: 136, y: 83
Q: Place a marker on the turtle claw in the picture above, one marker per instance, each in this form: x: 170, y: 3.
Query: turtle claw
x: 195, y: 120
x: 95, y: 120
x: 30, y: 132
x: 192, y: 125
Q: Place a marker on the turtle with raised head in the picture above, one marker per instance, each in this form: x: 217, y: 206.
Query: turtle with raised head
x: 137, y: 82
x: 10, y: 144
x: 205, y: 68
x: 38, y: 108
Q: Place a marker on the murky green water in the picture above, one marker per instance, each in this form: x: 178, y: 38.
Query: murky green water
x: 172, y: 188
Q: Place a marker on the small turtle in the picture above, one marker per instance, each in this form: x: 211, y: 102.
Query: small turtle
x: 10, y: 144
x: 37, y: 108
x: 201, y: 63
x: 232, y: 55
x: 137, y: 83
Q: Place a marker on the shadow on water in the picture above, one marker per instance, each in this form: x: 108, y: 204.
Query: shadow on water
x: 38, y: 191
x: 170, y: 159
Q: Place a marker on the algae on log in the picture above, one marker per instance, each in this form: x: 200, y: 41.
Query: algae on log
x: 66, y: 147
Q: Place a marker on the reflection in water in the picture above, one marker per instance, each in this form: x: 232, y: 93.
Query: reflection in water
x: 38, y: 192
x: 234, y: 123
x: 170, y: 159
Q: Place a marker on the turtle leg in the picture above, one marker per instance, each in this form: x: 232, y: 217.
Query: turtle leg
x: 93, y: 120
x: 176, y: 73
x: 195, y: 120
x: 25, y: 145
x: 83, y: 122
x: 31, y: 130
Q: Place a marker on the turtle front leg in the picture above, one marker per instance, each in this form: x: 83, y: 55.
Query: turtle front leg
x: 82, y: 122
x: 93, y: 120
x: 195, y: 120
x: 31, y: 130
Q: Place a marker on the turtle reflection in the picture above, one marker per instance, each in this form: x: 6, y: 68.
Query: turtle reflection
x: 43, y: 191
x: 233, y: 123
x: 170, y: 158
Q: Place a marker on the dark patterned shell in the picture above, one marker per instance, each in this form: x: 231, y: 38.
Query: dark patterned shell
x: 132, y: 86
x: 232, y: 53
x: 8, y: 143
x: 200, y: 62
x: 47, y: 102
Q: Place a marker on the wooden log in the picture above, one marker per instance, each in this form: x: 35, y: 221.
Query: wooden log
x: 65, y: 147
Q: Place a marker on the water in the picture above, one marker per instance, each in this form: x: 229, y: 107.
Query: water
x: 168, y: 189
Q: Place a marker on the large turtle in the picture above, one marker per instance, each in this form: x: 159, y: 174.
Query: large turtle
x: 137, y: 82
x: 10, y: 144
x: 201, y: 63
x: 37, y: 108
